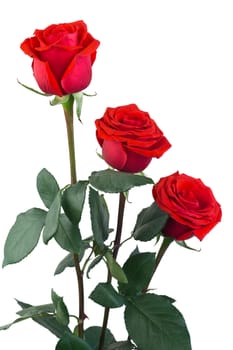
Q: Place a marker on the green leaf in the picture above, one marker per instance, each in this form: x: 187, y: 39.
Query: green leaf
x: 62, y: 314
x: 68, y: 261
x: 24, y: 235
x: 72, y: 342
x: 78, y: 97
x: 36, y: 310
x: 47, y: 187
x: 115, y: 269
x: 135, y: 251
x: 153, y: 322
x: 6, y: 326
x: 150, y: 222
x: 52, y: 219
x: 139, y: 270
x: 93, y: 264
x: 121, y: 345
x: 99, y: 216
x: 73, y: 200
x: 47, y: 321
x: 105, y: 295
x: 112, y: 181
x: 92, y: 337
x: 68, y: 235
x: 50, y: 323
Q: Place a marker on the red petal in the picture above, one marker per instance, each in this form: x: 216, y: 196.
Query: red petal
x: 114, y: 154
x: 78, y: 75
x: 28, y: 46
x: 45, y: 78
x: 135, y: 162
x: 177, y: 231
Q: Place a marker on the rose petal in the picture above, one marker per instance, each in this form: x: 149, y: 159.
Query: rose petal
x: 191, y: 205
x: 134, y: 129
x: 58, y: 58
x: 114, y: 154
x: 28, y: 46
x: 78, y: 75
x: 64, y: 53
x: 176, y: 230
x: 45, y: 78
x: 135, y: 162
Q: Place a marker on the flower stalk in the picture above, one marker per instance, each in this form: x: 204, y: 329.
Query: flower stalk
x: 68, y: 112
x: 162, y: 250
x: 116, y: 247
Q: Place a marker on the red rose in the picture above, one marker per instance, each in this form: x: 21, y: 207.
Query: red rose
x: 129, y: 138
x: 63, y: 55
x: 191, y: 205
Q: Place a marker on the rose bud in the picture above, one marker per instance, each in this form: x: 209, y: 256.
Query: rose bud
x: 63, y: 55
x: 129, y: 138
x: 191, y: 205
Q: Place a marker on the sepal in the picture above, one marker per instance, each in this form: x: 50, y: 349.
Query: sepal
x: 57, y: 100
x: 78, y: 97
x: 33, y: 90
x: 185, y: 245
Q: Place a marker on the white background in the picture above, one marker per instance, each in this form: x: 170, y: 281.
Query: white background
x: 172, y: 58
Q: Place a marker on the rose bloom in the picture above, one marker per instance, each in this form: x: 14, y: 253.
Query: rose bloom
x: 191, y: 205
x: 63, y: 55
x: 129, y: 138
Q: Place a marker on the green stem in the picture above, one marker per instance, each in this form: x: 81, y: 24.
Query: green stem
x: 117, y: 242
x: 162, y: 250
x: 121, y: 209
x: 68, y: 111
